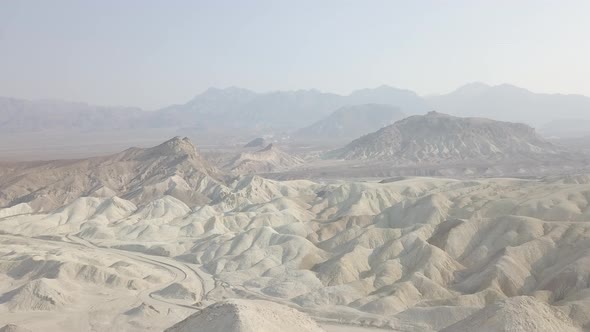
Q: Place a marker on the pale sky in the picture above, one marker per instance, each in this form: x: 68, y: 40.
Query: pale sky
x: 155, y: 53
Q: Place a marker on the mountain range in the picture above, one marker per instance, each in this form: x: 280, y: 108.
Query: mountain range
x: 17, y: 115
x: 350, y: 122
x: 236, y: 108
x: 240, y: 108
x: 511, y: 103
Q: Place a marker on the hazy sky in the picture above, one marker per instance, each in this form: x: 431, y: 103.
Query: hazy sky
x: 154, y: 53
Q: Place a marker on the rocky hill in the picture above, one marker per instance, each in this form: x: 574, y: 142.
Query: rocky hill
x: 269, y: 159
x: 439, y: 138
x: 256, y: 143
x: 173, y: 168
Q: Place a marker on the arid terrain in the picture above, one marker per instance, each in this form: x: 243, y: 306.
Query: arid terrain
x: 147, y: 238
x: 294, y: 166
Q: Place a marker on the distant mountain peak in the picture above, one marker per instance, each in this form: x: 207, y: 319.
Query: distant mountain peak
x: 408, y: 101
x: 511, y: 87
x: 269, y: 147
x: 268, y: 159
x: 176, y: 146
x: 229, y: 89
x: 349, y: 122
x: 232, y: 92
x: 435, y: 113
x: 257, y: 142
x: 473, y: 85
x: 476, y: 88
x: 178, y: 141
x: 473, y: 88
x: 384, y: 88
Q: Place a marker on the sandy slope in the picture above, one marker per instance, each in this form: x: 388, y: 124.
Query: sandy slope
x: 516, y: 314
x: 247, y: 316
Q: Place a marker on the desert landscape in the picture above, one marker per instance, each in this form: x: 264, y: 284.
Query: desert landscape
x: 294, y: 166
x: 162, y: 238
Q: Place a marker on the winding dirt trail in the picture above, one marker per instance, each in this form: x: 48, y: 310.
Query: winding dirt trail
x: 179, y: 270
x: 95, y: 319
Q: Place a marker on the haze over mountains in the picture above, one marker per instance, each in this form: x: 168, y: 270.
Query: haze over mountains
x: 17, y: 115
x: 323, y: 200
x: 567, y: 128
x: 236, y: 108
x: 510, y: 103
x: 159, y: 238
x: 240, y: 108
x: 350, y: 122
